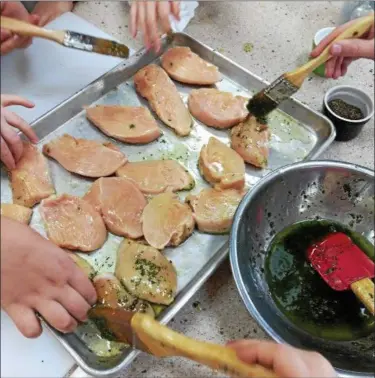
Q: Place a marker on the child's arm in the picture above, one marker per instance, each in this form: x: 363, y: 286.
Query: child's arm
x: 146, y: 16
x: 11, y: 144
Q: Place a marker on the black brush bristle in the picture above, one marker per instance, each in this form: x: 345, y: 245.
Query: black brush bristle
x: 260, y: 106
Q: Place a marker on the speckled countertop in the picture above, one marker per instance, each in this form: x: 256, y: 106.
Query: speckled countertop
x: 281, y: 34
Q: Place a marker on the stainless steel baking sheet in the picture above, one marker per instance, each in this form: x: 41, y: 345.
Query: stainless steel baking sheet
x: 298, y: 133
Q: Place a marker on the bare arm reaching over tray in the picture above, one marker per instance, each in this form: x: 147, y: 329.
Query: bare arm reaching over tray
x: 146, y: 16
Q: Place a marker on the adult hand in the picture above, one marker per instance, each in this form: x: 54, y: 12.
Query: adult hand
x: 37, y: 276
x: 284, y: 360
x: 145, y: 16
x: 47, y: 11
x: 11, y: 144
x: 346, y: 51
x: 9, y: 41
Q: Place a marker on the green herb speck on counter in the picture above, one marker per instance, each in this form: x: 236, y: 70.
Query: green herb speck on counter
x: 248, y: 47
x: 197, y: 306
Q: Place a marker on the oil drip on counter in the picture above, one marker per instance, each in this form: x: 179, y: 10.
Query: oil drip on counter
x: 303, y: 296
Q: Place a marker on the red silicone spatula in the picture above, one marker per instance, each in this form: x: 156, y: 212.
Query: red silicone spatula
x: 343, y: 266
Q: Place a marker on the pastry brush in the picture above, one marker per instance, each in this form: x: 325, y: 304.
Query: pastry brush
x: 144, y: 333
x: 67, y: 38
x: 289, y: 83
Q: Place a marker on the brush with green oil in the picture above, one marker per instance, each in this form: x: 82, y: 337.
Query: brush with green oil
x: 289, y: 83
x: 145, y: 333
x: 303, y: 296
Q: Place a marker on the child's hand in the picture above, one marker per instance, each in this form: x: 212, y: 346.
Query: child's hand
x: 47, y: 11
x: 284, y: 360
x: 10, y: 41
x: 346, y: 51
x: 145, y: 16
x: 11, y: 144
x: 37, y: 276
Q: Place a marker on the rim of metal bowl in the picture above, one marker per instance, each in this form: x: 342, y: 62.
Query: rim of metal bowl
x: 251, y: 308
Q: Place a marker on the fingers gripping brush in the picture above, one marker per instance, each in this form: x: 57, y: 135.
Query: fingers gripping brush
x: 289, y: 83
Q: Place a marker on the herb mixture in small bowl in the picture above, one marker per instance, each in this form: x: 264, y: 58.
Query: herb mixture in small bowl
x: 349, y: 109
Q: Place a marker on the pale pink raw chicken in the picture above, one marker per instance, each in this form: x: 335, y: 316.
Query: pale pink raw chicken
x: 129, y: 124
x: 217, y: 108
x: 157, y: 176
x: 152, y: 83
x: 121, y: 203
x: 85, y: 157
x: 167, y: 221
x: 221, y: 166
x: 73, y: 223
x: 187, y: 67
x: 30, y: 180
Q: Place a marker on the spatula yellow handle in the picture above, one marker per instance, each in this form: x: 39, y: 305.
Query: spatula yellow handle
x: 364, y: 290
x: 163, y: 342
x: 356, y: 30
x: 30, y: 30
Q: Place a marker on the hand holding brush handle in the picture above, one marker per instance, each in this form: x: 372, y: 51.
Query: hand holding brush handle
x: 346, y: 51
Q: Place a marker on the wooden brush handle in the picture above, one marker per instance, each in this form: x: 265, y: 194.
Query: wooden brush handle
x: 364, y: 290
x: 356, y: 30
x: 163, y: 342
x: 30, y: 30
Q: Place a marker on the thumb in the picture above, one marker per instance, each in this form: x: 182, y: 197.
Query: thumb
x: 354, y: 48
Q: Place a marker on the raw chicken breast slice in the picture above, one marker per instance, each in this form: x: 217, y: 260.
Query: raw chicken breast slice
x: 30, y: 180
x: 73, y: 223
x: 221, y: 166
x: 251, y: 140
x: 129, y: 124
x: 214, y: 209
x: 120, y: 202
x: 187, y: 67
x: 216, y: 108
x: 152, y: 83
x: 112, y: 294
x: 18, y: 213
x: 85, y: 157
x: 146, y: 273
x: 157, y: 176
x: 167, y: 221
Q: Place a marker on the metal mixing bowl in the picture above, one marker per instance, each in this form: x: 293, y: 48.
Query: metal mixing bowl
x: 326, y: 189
